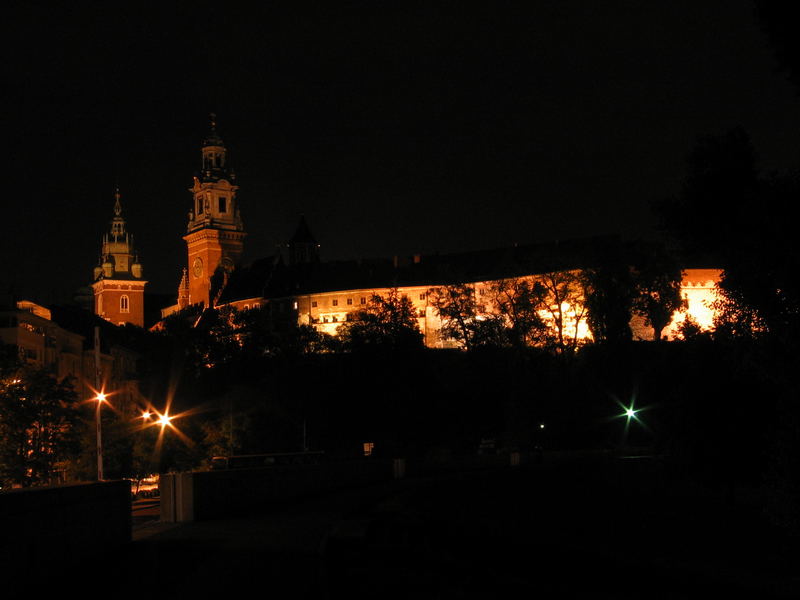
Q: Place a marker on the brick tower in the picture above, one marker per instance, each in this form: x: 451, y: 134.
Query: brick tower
x: 215, y: 237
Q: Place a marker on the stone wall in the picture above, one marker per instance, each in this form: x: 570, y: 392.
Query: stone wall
x: 218, y: 494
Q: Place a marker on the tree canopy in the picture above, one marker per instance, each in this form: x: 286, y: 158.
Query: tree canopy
x: 387, y: 323
x: 40, y: 423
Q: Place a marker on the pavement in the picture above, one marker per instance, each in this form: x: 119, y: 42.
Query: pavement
x: 541, y: 532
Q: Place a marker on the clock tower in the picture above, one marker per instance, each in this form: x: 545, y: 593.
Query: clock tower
x: 215, y: 237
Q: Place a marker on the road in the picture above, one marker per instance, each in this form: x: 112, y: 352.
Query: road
x: 145, y: 511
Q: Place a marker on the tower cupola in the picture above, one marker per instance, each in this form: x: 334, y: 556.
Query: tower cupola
x: 117, y: 252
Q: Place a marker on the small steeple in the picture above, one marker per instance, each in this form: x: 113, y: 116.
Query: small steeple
x: 117, y: 223
x: 118, y: 284
x: 117, y: 255
x: 303, y: 247
x: 213, y: 139
x: 215, y: 156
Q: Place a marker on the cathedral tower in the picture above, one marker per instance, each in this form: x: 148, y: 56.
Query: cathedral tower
x: 118, y: 284
x: 215, y: 237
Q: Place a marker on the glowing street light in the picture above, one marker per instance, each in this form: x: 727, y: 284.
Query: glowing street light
x: 164, y: 420
x: 100, y: 397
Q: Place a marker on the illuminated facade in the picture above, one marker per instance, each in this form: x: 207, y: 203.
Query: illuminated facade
x: 318, y: 295
x: 118, y: 285
x: 327, y: 294
x: 40, y: 341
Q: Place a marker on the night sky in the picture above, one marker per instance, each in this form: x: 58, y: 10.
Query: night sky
x: 421, y: 128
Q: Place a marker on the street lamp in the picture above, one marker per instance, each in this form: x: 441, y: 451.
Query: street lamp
x: 100, y: 397
x: 164, y: 420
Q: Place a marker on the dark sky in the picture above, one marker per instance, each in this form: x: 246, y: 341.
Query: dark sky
x: 422, y: 128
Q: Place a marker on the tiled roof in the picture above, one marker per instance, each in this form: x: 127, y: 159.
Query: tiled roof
x: 272, y: 278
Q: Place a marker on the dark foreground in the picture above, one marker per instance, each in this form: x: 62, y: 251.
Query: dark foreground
x: 599, y: 529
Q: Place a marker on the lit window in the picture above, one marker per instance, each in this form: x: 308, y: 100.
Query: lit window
x: 368, y: 448
x: 363, y: 301
x: 123, y: 304
x: 294, y: 305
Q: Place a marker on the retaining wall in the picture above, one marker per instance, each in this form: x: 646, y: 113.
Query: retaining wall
x: 206, y: 495
x: 44, y: 531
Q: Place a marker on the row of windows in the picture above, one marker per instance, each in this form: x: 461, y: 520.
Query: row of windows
x: 349, y: 317
x: 335, y: 301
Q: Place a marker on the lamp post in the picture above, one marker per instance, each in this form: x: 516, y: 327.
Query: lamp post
x: 101, y: 397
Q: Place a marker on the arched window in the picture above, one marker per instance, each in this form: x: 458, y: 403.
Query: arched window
x: 123, y: 304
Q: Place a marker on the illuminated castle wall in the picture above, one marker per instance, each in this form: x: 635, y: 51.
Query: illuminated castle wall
x: 325, y: 295
x: 327, y: 310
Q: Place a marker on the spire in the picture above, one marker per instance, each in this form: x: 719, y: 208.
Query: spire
x: 117, y: 223
x: 213, y: 139
x: 117, y: 205
x: 303, y: 246
x: 302, y: 235
x: 118, y: 258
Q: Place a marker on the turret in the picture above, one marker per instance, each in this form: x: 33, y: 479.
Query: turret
x: 118, y: 284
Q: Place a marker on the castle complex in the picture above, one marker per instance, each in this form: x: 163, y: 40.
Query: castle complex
x: 326, y: 294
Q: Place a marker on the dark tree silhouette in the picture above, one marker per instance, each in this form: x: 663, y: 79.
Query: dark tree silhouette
x: 564, y: 302
x: 388, y: 323
x: 657, y: 281
x: 519, y: 300
x: 40, y: 423
x: 609, y: 293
